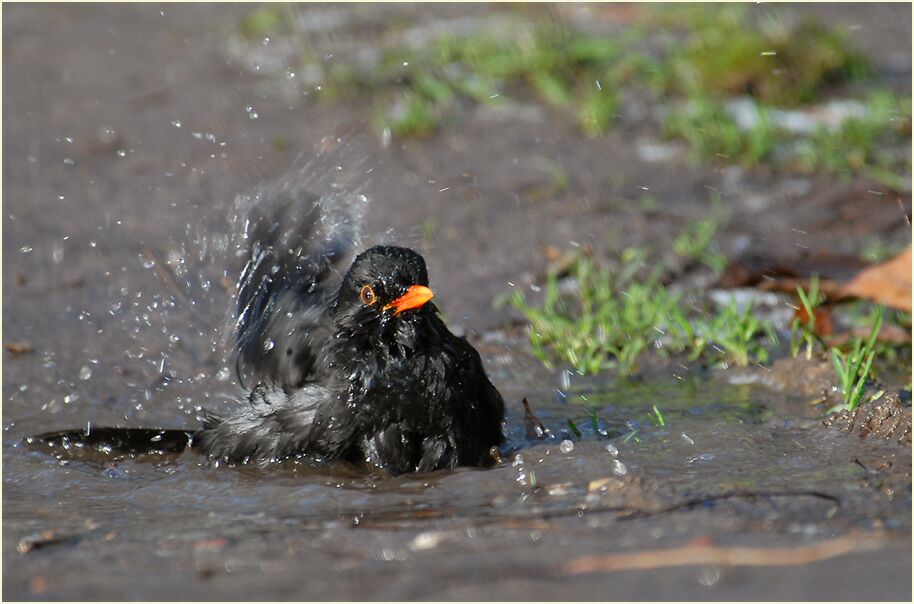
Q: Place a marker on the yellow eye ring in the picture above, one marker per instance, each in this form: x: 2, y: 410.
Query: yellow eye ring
x: 367, y: 295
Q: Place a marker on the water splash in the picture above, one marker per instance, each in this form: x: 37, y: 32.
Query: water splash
x: 182, y: 332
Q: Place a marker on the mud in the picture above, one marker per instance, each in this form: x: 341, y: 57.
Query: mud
x: 814, y: 379
x: 887, y: 417
x: 118, y: 208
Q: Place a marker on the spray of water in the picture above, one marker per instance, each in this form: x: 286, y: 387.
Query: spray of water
x: 221, y: 287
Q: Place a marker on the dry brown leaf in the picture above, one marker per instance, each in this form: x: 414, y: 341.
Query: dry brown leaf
x: 17, y: 347
x: 823, y: 325
x: 888, y: 283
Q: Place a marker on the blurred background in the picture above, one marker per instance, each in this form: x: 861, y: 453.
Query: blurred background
x: 641, y: 193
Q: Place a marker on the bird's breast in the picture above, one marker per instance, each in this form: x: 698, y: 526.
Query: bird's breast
x: 400, y: 389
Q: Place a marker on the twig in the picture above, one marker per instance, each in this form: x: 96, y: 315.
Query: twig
x: 703, y: 553
x: 697, y: 501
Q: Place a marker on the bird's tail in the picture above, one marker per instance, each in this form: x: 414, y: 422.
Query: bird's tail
x: 125, y: 441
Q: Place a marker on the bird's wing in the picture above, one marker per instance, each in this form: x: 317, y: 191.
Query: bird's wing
x: 485, y: 412
x: 295, y: 253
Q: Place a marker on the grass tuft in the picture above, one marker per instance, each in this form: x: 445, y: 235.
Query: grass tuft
x: 660, y: 421
x: 687, y: 61
x: 730, y: 52
x: 854, y: 367
x: 608, y: 323
x: 803, y: 331
x: 612, y: 316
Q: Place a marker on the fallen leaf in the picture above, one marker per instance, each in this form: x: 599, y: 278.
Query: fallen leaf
x: 823, y: 326
x: 888, y: 283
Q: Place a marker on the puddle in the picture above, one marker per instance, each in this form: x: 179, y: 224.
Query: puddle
x: 716, y: 438
x: 738, y: 462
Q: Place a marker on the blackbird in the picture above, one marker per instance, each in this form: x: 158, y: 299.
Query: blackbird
x: 372, y: 375
x: 363, y: 371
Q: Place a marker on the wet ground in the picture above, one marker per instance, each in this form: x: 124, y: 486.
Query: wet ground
x: 118, y: 200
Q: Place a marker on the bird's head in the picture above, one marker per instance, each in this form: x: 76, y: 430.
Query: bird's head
x: 384, y: 297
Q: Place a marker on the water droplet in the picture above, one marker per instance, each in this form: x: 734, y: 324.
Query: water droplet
x: 106, y: 135
x: 704, y: 457
x: 121, y: 153
x: 612, y: 450
x: 85, y: 372
x: 176, y: 123
x: 708, y: 576
x: 223, y: 374
x: 567, y: 446
x: 619, y: 468
x: 268, y: 345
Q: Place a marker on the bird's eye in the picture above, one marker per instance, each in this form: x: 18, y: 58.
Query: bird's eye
x: 367, y: 295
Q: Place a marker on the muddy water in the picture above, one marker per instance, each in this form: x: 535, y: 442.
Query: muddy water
x: 735, y: 462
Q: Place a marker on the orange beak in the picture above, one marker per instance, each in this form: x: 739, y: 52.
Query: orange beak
x: 415, y: 297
